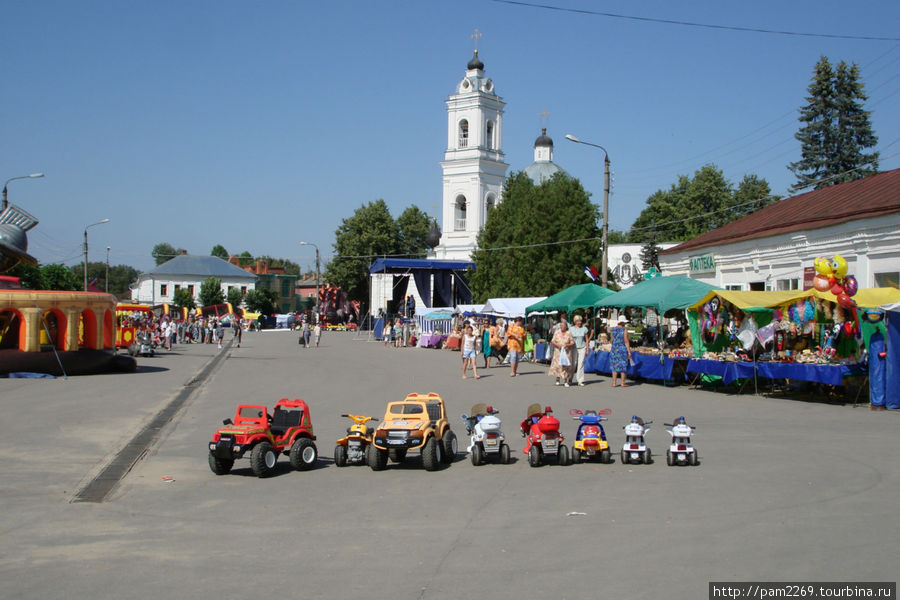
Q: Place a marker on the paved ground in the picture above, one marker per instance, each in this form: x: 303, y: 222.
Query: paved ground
x: 786, y: 489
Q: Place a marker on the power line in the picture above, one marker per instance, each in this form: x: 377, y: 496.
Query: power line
x: 701, y: 25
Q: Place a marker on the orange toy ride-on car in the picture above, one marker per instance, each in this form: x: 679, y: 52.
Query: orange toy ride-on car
x: 419, y: 421
x: 264, y: 436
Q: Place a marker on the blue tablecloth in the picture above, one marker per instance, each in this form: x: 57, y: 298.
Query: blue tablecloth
x: 729, y: 371
x: 645, y: 366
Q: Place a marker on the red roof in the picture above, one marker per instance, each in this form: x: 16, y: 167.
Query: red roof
x: 870, y: 196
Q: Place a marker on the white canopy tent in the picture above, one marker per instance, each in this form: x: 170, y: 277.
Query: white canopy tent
x: 472, y: 309
x: 509, y: 307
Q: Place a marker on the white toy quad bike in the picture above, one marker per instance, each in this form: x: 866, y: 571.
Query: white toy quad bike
x: 681, y: 452
x: 635, y: 448
x: 486, y: 440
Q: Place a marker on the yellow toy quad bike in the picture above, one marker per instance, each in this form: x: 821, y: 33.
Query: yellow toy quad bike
x: 351, y: 449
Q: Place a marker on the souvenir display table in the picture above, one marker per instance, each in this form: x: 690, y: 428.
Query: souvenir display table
x: 645, y: 366
x: 431, y: 340
x: 729, y: 371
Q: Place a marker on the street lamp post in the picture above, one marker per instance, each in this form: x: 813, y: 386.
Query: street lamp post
x: 86, y: 248
x: 317, y: 276
x: 604, y: 242
x: 107, y: 269
x: 32, y: 176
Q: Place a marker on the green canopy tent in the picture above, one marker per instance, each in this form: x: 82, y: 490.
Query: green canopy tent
x: 661, y: 293
x: 584, y: 295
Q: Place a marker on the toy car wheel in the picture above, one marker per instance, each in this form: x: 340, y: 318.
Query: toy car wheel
x: 220, y: 466
x: 477, y: 455
x: 397, y: 455
x: 340, y: 456
x: 377, y: 459
x: 669, y: 460
x: 605, y: 457
x: 692, y: 458
x: 304, y: 454
x: 262, y: 459
x: 534, y: 457
x: 450, y: 446
x: 576, y: 456
x: 504, y: 454
x: 648, y: 457
x: 624, y: 456
x: 431, y: 454
x: 562, y: 458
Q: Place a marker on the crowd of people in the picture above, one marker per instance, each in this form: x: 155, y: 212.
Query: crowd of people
x: 166, y: 331
x: 511, y: 342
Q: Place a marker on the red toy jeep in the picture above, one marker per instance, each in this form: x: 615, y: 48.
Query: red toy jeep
x: 288, y: 429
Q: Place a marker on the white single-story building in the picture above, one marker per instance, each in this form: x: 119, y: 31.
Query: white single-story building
x: 188, y: 271
x: 774, y: 247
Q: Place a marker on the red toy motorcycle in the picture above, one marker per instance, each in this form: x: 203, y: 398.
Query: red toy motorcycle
x: 541, y: 430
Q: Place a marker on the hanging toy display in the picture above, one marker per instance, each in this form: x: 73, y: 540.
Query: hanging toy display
x: 833, y: 273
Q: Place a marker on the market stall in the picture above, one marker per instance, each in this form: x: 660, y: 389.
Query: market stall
x: 811, y: 335
x: 585, y: 295
x: 667, y: 296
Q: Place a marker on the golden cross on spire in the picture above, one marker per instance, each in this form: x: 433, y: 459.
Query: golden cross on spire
x: 475, y: 37
x: 543, y: 115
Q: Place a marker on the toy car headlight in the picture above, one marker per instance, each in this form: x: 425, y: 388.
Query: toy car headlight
x: 212, y: 446
x: 237, y: 448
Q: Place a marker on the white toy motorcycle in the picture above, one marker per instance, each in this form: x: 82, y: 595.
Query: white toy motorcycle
x: 635, y: 448
x: 486, y: 439
x: 681, y: 452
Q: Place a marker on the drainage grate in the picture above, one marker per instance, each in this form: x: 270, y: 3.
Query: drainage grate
x: 98, y: 488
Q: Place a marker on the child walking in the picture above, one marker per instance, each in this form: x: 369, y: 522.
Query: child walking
x: 468, y: 352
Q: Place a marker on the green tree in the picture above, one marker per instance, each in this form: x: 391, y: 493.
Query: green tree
x: 369, y: 233
x: 220, y: 251
x: 120, y: 277
x: 519, y: 253
x: 184, y: 298
x: 414, y: 226
x: 695, y: 205
x: 261, y: 301
x: 650, y: 254
x: 290, y: 267
x: 245, y: 259
x: 234, y: 297
x: 835, y: 129
x: 60, y: 277
x: 29, y: 275
x: 164, y: 251
x: 211, y: 291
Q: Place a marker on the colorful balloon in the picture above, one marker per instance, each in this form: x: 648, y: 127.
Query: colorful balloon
x: 845, y: 300
x: 851, y: 286
x: 821, y: 283
x: 839, y: 265
x: 837, y: 289
x: 823, y: 266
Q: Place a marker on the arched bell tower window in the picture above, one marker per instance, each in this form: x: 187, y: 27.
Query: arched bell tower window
x: 464, y: 134
x: 489, y: 206
x: 489, y: 135
x: 460, y: 214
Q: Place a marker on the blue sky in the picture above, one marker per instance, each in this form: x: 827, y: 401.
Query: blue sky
x: 258, y: 125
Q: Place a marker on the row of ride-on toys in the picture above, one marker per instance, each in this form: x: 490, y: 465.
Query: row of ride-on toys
x: 419, y: 422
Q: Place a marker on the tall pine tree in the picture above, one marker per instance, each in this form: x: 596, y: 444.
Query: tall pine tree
x: 836, y: 130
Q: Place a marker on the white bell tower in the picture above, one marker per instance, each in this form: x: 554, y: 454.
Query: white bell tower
x: 473, y: 166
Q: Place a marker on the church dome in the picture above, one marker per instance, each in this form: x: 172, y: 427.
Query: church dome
x: 542, y: 171
x: 543, y: 139
x: 475, y: 63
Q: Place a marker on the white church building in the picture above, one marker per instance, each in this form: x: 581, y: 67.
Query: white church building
x: 473, y: 175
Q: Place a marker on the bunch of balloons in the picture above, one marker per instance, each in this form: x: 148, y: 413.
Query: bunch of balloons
x: 831, y: 276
